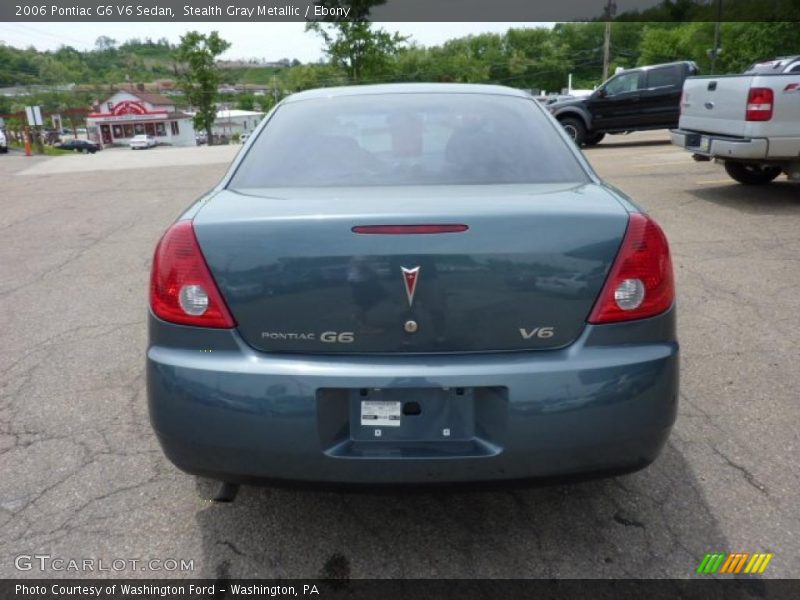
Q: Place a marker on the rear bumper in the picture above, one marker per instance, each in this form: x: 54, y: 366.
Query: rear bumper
x: 723, y: 147
x: 607, y: 402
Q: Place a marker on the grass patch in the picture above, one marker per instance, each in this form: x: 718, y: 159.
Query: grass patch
x: 48, y: 150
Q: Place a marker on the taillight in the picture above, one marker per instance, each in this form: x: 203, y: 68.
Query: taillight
x: 181, y: 287
x: 759, y: 104
x: 640, y: 283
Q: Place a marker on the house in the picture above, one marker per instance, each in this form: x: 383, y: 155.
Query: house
x: 230, y: 122
x: 130, y: 113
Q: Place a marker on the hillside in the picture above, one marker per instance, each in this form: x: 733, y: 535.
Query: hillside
x: 540, y: 59
x: 132, y: 61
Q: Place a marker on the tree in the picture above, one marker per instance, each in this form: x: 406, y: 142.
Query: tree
x: 200, y: 76
x: 6, y: 105
x: 246, y: 102
x: 105, y: 43
x: 354, y: 45
x: 746, y: 43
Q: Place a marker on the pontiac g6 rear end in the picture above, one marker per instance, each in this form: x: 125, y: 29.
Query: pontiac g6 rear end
x: 411, y: 283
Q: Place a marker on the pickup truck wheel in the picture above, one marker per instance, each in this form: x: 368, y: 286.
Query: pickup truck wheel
x: 575, y: 129
x: 752, y: 173
x: 593, y: 139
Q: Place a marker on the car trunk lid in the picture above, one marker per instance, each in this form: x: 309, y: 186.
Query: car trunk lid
x: 522, y: 274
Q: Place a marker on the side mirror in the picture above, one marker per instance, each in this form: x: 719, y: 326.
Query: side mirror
x: 602, y: 93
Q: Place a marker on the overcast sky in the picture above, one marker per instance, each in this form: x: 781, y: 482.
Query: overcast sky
x: 271, y: 41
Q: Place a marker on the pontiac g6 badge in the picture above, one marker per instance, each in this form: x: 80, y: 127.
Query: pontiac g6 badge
x: 410, y: 278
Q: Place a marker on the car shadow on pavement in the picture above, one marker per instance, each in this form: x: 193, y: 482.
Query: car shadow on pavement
x: 616, y: 141
x: 778, y: 198
x: 654, y: 523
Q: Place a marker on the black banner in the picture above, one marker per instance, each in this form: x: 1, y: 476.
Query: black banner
x: 155, y: 589
x: 396, y: 10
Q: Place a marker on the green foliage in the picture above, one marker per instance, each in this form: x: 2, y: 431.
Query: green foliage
x: 200, y: 78
x: 664, y: 43
x: 745, y: 43
x: 135, y: 60
x: 246, y: 102
x: 360, y: 52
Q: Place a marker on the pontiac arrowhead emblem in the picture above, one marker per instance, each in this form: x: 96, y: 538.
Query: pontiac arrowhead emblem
x: 410, y: 279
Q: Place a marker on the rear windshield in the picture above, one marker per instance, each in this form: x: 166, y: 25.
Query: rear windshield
x: 408, y: 139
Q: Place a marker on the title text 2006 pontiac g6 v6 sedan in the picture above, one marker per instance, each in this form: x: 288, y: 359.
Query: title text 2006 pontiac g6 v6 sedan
x: 411, y: 283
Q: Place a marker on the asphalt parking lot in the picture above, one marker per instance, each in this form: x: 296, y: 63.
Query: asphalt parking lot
x: 83, y: 477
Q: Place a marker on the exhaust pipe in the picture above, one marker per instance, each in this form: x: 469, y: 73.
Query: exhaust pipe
x: 701, y: 157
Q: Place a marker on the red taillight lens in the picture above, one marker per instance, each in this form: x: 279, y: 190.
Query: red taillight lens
x: 640, y: 283
x: 181, y: 287
x: 759, y: 104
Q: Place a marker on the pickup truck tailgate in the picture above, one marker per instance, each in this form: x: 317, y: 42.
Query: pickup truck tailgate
x: 716, y: 104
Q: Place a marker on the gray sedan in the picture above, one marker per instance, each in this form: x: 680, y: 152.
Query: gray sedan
x: 376, y: 292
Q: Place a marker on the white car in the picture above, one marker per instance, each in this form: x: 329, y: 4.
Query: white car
x: 142, y: 141
x: 3, y: 143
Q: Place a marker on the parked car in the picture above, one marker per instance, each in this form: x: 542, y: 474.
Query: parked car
x: 201, y: 138
x: 3, y: 142
x: 142, y: 141
x: 79, y: 146
x: 243, y: 138
x: 421, y: 361
x: 750, y: 122
x: 632, y: 100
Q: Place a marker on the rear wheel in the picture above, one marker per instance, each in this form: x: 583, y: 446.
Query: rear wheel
x: 593, y: 139
x: 575, y: 129
x: 752, y: 173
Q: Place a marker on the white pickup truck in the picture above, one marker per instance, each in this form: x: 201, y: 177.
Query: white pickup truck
x: 751, y: 122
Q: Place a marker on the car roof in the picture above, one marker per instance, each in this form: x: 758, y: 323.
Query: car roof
x: 776, y: 64
x: 659, y: 65
x: 406, y: 88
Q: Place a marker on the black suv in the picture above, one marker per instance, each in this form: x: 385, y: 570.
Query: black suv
x: 632, y: 100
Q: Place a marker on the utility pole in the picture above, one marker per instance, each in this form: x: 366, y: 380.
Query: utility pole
x: 609, y: 11
x: 716, y: 49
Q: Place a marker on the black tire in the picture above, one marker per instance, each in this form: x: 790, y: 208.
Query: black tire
x: 592, y: 139
x: 575, y: 129
x: 752, y: 173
